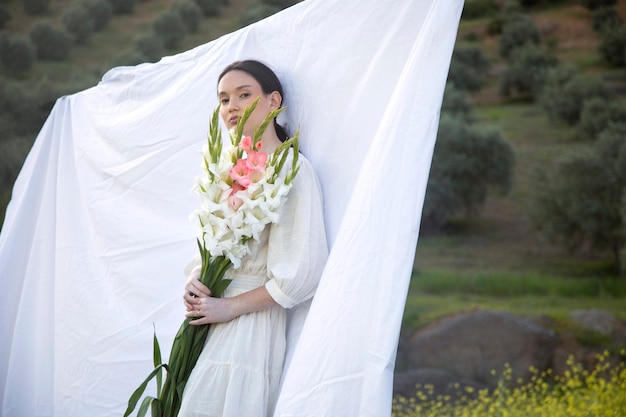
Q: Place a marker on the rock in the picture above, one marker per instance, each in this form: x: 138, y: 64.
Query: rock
x: 602, y: 322
x: 472, y: 345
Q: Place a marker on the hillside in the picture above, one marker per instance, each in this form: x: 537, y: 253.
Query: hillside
x: 499, y: 237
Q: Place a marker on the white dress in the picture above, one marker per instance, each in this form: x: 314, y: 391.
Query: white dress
x: 239, y: 370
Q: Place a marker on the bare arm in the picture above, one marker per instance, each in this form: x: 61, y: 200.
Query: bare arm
x: 209, y: 309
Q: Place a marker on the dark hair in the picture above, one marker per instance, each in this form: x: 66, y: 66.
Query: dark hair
x: 266, y: 78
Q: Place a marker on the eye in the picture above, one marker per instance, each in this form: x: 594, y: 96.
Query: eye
x: 245, y: 95
x: 224, y: 101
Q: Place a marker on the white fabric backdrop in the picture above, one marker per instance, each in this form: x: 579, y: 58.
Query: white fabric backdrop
x: 97, y: 232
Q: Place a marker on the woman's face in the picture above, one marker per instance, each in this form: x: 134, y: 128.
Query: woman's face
x: 238, y: 89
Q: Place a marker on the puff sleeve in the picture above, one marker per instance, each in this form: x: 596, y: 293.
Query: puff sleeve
x: 297, y: 246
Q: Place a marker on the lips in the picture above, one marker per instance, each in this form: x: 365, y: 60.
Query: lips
x: 233, y: 120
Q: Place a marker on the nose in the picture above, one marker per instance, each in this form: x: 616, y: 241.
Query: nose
x: 233, y: 105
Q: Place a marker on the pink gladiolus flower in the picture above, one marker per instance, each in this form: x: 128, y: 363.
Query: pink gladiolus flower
x: 259, y: 145
x: 233, y: 201
x: 246, y: 143
x: 241, y: 173
x: 256, y: 160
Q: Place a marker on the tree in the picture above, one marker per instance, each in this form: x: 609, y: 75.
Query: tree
x: 101, y: 12
x: 170, y: 28
x: 36, y: 7
x: 527, y: 71
x: 596, y: 4
x: 78, y: 22
x: 469, y: 161
x: 581, y: 201
x: 457, y: 104
x: 256, y: 13
x: 475, y: 9
x: 518, y: 30
x: 150, y: 46
x: 468, y: 68
x: 190, y: 14
x: 282, y: 4
x: 123, y: 6
x: 210, y: 7
x: 605, y: 18
x: 5, y: 16
x: 564, y: 93
x: 51, y: 44
x: 18, y: 55
x: 598, y: 114
x: 613, y: 45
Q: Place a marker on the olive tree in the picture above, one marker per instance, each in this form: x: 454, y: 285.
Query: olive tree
x: 581, y: 201
x: 170, y: 28
x: 36, y: 7
x: 468, y: 67
x: 564, y: 93
x: 469, y: 162
x: 79, y: 22
x: 598, y: 114
x: 52, y: 44
x: 518, y: 30
x: 527, y: 71
x: 5, y: 16
x: 17, y: 54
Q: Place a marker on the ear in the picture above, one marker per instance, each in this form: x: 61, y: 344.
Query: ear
x: 275, y: 100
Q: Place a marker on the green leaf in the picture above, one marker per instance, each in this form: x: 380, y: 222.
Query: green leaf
x: 156, y: 359
x: 134, y: 398
x: 145, y: 404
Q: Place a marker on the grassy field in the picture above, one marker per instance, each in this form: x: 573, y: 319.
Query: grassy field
x: 466, y: 266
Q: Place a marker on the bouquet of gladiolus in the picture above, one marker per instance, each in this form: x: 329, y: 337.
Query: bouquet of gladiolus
x: 241, y: 191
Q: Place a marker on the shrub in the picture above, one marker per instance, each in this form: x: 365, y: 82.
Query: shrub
x: 210, y: 7
x: 127, y: 59
x: 564, y: 94
x: 474, y: 9
x: 281, y: 4
x: 5, y: 16
x: 51, y: 44
x: 596, y: 4
x: 468, y: 162
x: 527, y: 71
x: 605, y: 18
x: 190, y: 14
x: 150, y: 46
x: 101, y: 12
x: 613, y: 46
x: 468, y: 68
x: 256, y: 13
x: 78, y: 22
x: 579, y: 202
x: 36, y: 7
x: 170, y: 28
x: 517, y: 31
x: 457, y: 104
x: 598, y: 114
x: 122, y: 6
x: 18, y: 55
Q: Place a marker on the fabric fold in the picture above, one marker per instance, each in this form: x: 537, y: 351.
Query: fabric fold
x: 97, y: 233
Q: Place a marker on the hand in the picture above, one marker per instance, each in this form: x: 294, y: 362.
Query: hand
x: 211, y: 310
x: 194, y: 289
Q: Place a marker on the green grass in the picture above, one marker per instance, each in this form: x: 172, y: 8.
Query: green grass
x: 436, y: 293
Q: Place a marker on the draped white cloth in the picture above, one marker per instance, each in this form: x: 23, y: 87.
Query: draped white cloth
x: 97, y: 231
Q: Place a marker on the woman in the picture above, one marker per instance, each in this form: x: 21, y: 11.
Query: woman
x: 239, y: 370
